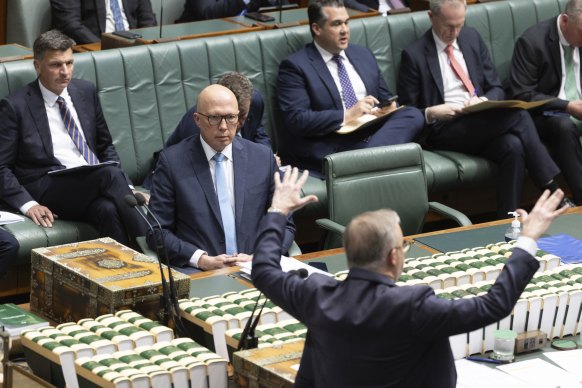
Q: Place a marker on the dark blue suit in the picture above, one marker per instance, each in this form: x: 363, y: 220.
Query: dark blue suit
x: 367, y: 331
x: 252, y: 129
x: 312, y: 109
x: 536, y: 74
x: 507, y: 137
x: 26, y: 155
x: 184, y: 199
x: 8, y: 249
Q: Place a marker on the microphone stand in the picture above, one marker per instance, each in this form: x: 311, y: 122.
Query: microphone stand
x: 161, y: 16
x: 165, y: 312
x: 280, y: 4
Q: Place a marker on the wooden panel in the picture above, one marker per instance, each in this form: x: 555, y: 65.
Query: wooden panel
x: 2, y: 21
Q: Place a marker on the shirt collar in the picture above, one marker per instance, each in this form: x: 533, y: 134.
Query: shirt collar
x: 210, y: 152
x: 49, y: 97
x: 440, y: 45
x: 326, y: 55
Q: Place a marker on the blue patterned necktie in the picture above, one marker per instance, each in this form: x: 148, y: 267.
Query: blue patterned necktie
x: 225, y: 207
x: 348, y: 93
x: 117, y: 17
x: 75, y: 134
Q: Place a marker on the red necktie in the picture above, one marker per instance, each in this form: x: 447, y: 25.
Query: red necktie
x: 458, y: 69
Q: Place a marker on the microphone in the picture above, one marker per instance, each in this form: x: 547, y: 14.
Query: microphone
x: 161, y: 16
x: 280, y: 11
x: 248, y: 339
x: 163, y: 255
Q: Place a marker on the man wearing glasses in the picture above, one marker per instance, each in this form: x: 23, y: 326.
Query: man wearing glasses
x: 210, y: 191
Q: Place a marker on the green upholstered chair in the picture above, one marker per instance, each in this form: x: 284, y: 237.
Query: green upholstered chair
x: 375, y: 178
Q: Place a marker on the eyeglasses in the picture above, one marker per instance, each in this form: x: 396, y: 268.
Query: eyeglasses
x: 215, y: 120
x: 406, y: 244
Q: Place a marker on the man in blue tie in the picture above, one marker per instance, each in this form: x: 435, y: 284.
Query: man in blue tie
x: 85, y: 20
x: 211, y: 190
x: 329, y: 83
x: 56, y: 123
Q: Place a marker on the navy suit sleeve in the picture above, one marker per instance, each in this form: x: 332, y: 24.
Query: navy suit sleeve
x: 409, y: 82
x: 163, y: 204
x: 211, y: 9
x: 255, y: 121
x: 295, y: 101
x: 353, y: 4
x: 186, y: 127
x: 491, y: 86
x: 11, y: 190
x: 143, y: 14
x: 66, y: 17
x: 434, y: 317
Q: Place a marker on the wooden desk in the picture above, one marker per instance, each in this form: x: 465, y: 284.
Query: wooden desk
x: 81, y: 48
x: 14, y: 52
x: 293, y: 17
x: 174, y: 32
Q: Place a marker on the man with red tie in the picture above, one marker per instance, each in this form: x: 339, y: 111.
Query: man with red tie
x: 448, y: 69
x: 56, y: 123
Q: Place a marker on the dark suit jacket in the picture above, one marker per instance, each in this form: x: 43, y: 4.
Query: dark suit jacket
x: 536, y: 66
x: 84, y: 20
x: 184, y: 199
x: 311, y: 104
x: 26, y: 149
x: 366, y: 331
x: 213, y: 9
x: 420, y: 82
x: 252, y: 129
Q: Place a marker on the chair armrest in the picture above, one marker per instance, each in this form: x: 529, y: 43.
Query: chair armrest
x: 329, y: 225
x: 294, y: 250
x: 450, y: 213
x: 143, y: 245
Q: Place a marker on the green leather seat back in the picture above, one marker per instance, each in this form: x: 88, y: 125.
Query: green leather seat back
x: 26, y: 20
x: 375, y: 178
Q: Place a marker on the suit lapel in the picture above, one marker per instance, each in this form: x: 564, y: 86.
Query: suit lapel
x: 554, y: 47
x: 469, y: 58
x: 240, y: 160
x: 101, y: 13
x: 202, y: 170
x: 321, y: 69
x: 432, y: 61
x: 359, y: 66
x: 37, y: 110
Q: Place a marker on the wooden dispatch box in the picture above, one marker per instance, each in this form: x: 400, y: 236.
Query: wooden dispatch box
x: 92, y: 278
x: 270, y: 367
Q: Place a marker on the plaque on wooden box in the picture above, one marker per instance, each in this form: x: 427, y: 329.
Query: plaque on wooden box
x: 91, y: 278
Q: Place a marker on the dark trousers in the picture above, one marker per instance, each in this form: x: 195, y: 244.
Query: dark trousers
x: 507, y: 137
x: 8, y: 249
x: 98, y: 197
x: 560, y: 135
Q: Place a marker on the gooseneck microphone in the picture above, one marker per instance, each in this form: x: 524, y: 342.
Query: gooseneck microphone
x: 165, y: 312
x: 248, y: 339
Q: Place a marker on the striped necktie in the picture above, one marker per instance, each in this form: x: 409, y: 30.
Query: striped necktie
x: 74, y: 133
x: 225, y: 206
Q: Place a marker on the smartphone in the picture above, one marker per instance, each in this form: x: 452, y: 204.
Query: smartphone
x: 259, y: 17
x: 127, y: 34
x: 388, y: 101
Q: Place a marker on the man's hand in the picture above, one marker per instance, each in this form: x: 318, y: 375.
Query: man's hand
x: 207, y: 263
x: 242, y: 257
x: 385, y: 110
x: 362, y: 107
x: 473, y: 100
x: 287, y: 196
x: 544, y: 212
x: 575, y: 109
x: 443, y: 112
x: 41, y: 215
x: 145, y: 195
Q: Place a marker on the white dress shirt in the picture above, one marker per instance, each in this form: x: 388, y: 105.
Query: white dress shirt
x: 455, y: 91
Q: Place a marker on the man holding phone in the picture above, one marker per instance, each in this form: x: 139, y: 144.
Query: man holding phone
x: 330, y: 83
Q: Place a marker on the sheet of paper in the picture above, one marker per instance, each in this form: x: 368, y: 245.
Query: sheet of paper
x: 493, y: 104
x: 9, y: 218
x: 365, y: 120
x: 287, y: 264
x: 542, y: 374
x: 570, y: 360
x: 471, y: 374
x: 83, y: 168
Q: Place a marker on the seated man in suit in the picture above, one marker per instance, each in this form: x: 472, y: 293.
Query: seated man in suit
x: 368, y: 331
x: 329, y: 83
x: 195, y: 10
x: 56, y: 123
x: 545, y: 64
x: 250, y: 123
x: 85, y: 20
x: 448, y: 69
x: 382, y: 6
x: 210, y: 191
x: 8, y: 250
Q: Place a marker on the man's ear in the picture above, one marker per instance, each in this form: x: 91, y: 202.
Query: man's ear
x: 316, y: 29
x: 392, y: 258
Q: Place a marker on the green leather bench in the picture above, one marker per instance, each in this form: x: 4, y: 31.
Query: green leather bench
x: 145, y: 91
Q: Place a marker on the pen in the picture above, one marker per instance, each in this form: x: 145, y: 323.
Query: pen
x: 484, y: 359
x: 476, y: 92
